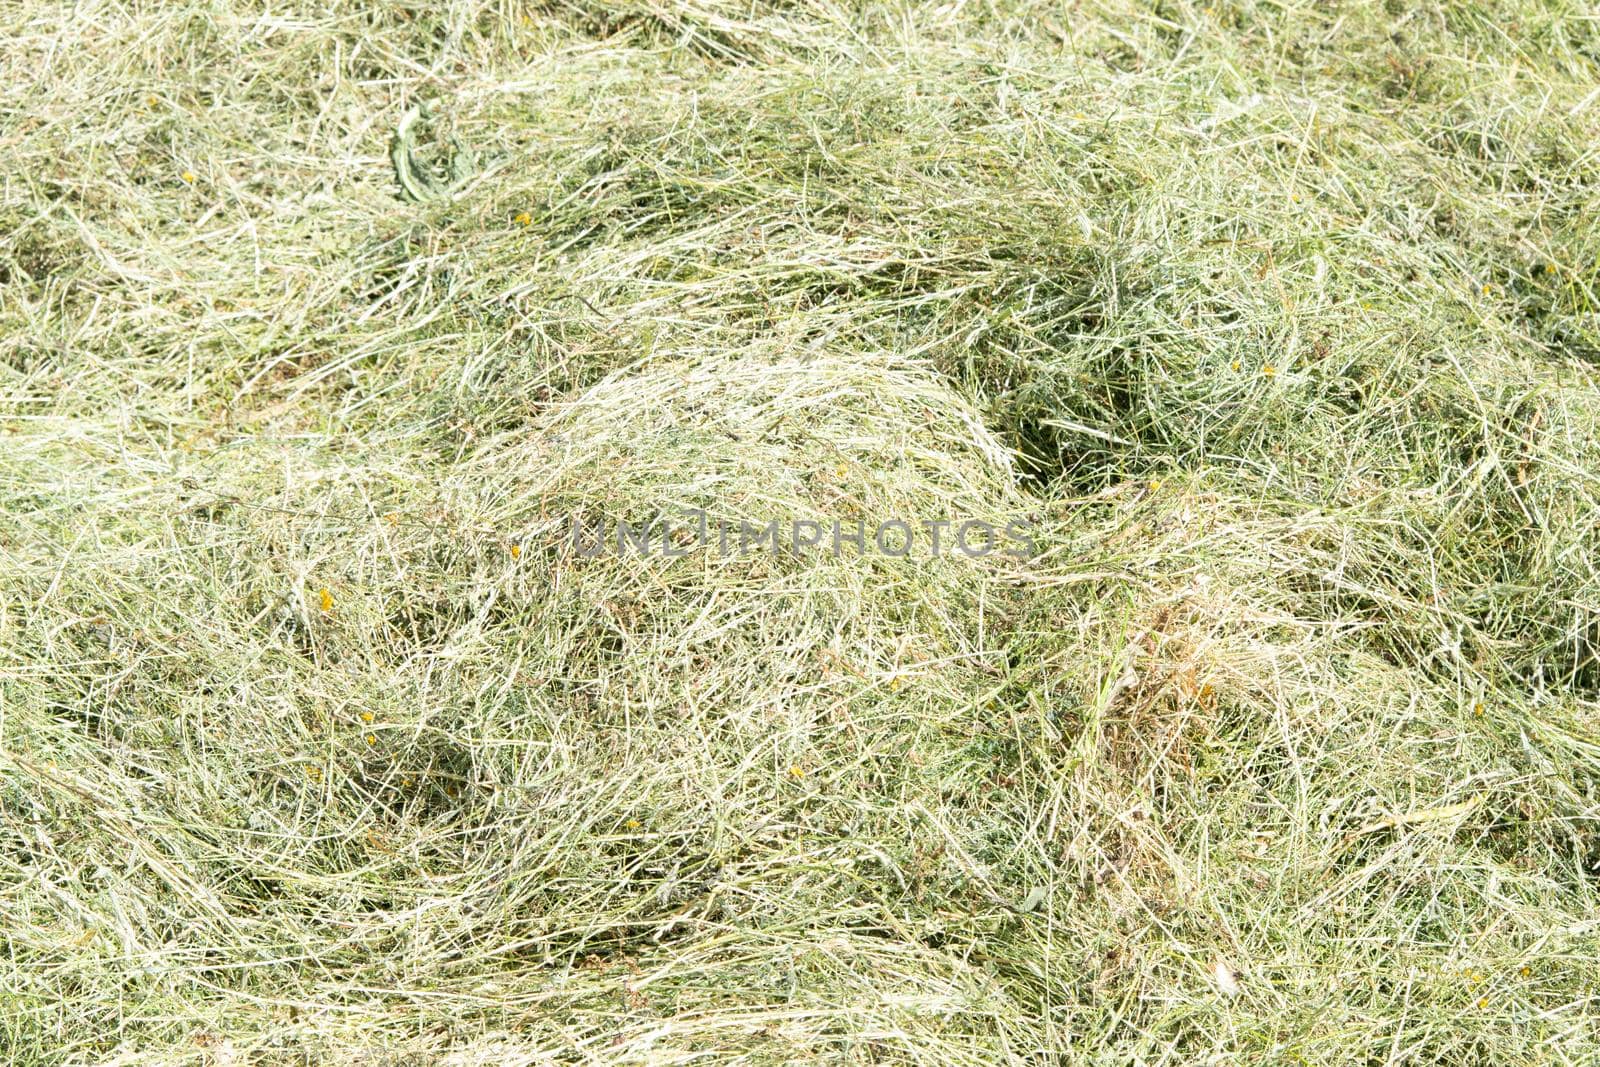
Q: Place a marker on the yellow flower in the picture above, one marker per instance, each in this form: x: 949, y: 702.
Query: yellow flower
x: 1549, y: 268
x: 1477, y: 709
x: 366, y: 716
x: 327, y: 601
x: 1269, y: 370
x: 406, y: 780
x: 796, y: 771
x: 188, y: 176
x: 1487, y: 289
x: 894, y: 683
x: 152, y: 100
x: 1235, y: 364
x: 372, y: 739
x: 1155, y: 485
x: 633, y: 824
x: 1483, y: 1002
x: 523, y: 219
x: 1526, y: 971
x: 841, y: 470
x: 516, y: 551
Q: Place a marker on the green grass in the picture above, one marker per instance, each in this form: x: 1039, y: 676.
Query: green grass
x: 1280, y: 322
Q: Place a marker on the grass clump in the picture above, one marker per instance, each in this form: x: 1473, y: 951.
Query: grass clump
x: 320, y: 740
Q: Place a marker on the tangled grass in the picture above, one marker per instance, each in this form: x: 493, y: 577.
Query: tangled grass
x: 1279, y: 324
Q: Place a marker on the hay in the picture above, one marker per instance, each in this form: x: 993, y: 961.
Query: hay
x: 320, y: 741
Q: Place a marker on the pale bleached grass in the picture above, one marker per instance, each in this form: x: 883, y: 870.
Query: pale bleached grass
x: 318, y: 745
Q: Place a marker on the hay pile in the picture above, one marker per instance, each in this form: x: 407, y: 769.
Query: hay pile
x: 1275, y: 327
